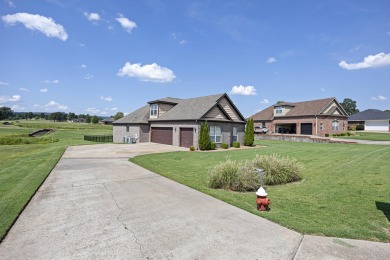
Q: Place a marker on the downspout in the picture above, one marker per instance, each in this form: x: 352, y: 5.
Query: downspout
x: 316, y: 125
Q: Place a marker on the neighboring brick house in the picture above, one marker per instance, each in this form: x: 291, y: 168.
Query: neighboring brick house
x: 314, y: 117
x: 177, y: 121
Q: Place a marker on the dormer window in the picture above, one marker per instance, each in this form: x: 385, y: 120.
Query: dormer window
x: 278, y: 110
x: 153, y: 109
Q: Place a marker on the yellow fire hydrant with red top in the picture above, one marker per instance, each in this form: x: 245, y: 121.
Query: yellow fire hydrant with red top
x: 262, y: 201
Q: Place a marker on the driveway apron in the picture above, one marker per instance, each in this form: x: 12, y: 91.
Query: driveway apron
x: 96, y: 204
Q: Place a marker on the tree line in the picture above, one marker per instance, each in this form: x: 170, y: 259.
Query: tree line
x: 6, y: 113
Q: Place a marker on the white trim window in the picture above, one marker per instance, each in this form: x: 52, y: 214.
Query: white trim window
x: 335, y: 125
x: 321, y: 126
x: 153, y: 109
x: 215, y: 134
x: 278, y: 110
x: 235, y: 134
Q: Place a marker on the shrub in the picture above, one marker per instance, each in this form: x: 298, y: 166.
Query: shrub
x: 343, y: 134
x: 192, y: 148
x: 279, y: 170
x: 224, y: 146
x: 204, y: 137
x: 352, y: 128
x: 326, y: 135
x: 213, y: 146
x: 360, y: 127
x: 236, y: 144
x: 249, y: 137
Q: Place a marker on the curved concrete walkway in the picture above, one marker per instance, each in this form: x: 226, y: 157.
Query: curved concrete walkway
x: 97, y: 205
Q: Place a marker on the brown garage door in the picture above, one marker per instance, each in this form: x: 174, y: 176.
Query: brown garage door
x: 186, y: 137
x: 162, y: 135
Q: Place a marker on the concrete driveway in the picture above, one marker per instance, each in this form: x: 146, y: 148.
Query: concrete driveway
x: 97, y: 205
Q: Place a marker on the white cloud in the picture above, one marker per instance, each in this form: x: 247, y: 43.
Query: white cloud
x: 108, y: 99
x: 264, y: 101
x: 51, y: 81
x: 182, y: 42
x: 24, y: 89
x: 52, y: 105
x: 4, y: 83
x: 45, y: 25
x: 81, y: 44
x: 83, y: 66
x: 371, y: 61
x: 271, y: 60
x: 379, y: 98
x: 245, y: 91
x: 149, y: 72
x: 43, y: 90
x: 93, y: 17
x: 322, y: 89
x: 7, y: 99
x: 88, y: 77
x: 17, y: 108
x: 126, y: 23
x: 10, y: 3
x: 92, y: 110
x: 114, y: 109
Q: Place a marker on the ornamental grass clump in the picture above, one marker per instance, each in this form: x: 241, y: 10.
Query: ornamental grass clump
x: 278, y: 169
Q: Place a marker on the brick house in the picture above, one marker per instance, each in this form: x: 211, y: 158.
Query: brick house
x: 177, y: 121
x: 314, y: 117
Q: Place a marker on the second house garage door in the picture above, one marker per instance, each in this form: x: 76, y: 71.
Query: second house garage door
x: 186, y: 137
x: 162, y: 135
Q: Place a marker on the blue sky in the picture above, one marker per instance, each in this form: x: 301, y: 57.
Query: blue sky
x: 101, y: 57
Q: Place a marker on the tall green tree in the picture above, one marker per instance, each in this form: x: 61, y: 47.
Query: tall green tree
x: 95, y: 120
x: 88, y: 119
x: 5, y: 113
x: 349, y: 106
x: 204, y: 137
x: 249, y: 137
x: 118, y: 115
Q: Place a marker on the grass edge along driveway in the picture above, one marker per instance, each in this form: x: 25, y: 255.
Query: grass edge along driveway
x: 344, y: 192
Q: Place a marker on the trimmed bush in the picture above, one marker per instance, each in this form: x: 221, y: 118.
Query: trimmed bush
x: 249, y: 137
x: 213, y: 146
x: 360, y: 127
x: 204, y: 137
x: 224, y: 146
x: 236, y: 144
x: 279, y: 170
x: 349, y: 133
x: 352, y: 128
x: 192, y: 148
x: 343, y: 134
x: 326, y: 135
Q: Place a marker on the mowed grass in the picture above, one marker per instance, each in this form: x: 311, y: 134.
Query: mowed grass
x: 345, y: 191
x: 371, y: 136
x: 24, y: 167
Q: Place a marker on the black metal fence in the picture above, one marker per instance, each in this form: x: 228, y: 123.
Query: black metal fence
x: 99, y: 138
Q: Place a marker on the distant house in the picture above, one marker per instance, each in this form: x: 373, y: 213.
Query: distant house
x: 79, y: 120
x: 107, y: 121
x: 372, y: 119
x: 314, y: 117
x: 177, y: 121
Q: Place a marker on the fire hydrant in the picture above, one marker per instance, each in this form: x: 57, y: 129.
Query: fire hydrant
x: 262, y: 201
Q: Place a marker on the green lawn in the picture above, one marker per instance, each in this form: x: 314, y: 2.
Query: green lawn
x: 369, y: 136
x: 24, y: 167
x: 345, y: 190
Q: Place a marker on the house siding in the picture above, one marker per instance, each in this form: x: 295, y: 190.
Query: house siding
x: 216, y: 113
x: 163, y: 108
x: 229, y: 109
x: 227, y: 132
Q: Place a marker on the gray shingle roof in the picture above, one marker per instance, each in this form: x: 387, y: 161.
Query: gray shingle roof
x: 139, y: 116
x: 305, y: 108
x: 185, y: 109
x: 370, y: 114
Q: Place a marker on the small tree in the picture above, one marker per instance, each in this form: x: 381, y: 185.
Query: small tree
x: 204, y: 137
x: 118, y: 115
x: 95, y: 120
x: 249, y: 137
x: 88, y: 119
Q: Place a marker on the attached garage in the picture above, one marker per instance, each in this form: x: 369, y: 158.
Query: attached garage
x: 306, y: 128
x: 186, y: 137
x: 162, y: 135
x: 376, y: 125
